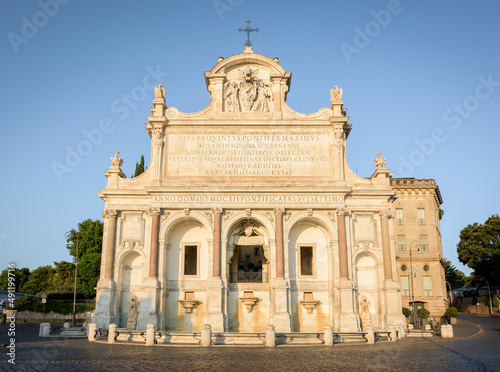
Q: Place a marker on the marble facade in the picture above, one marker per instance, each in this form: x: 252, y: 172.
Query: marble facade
x: 247, y: 215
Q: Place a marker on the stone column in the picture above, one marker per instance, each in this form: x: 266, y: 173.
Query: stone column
x: 344, y: 272
x: 110, y: 215
x: 278, y: 220
x: 215, y: 317
x: 153, y: 252
x: 386, y: 248
x: 217, y: 241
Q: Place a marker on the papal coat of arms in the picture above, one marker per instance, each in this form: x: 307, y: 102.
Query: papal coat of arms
x: 248, y: 93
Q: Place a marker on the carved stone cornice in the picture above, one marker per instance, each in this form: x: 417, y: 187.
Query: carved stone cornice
x: 109, y: 213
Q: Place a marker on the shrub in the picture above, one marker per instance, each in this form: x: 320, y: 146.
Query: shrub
x: 406, y: 312
x: 423, y: 313
x: 451, y: 312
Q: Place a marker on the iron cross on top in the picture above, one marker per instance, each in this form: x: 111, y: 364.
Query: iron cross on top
x: 248, y: 30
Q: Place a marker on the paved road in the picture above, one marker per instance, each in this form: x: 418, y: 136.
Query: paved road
x: 475, y: 348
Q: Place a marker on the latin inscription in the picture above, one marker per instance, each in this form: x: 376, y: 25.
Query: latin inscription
x: 249, y: 198
x: 248, y: 155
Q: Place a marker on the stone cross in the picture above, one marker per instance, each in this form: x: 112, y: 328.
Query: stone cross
x: 248, y: 43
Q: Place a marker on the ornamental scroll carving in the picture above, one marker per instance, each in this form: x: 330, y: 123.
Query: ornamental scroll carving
x: 157, y: 136
x: 153, y: 210
x: 248, y: 93
x: 343, y: 211
x: 109, y: 213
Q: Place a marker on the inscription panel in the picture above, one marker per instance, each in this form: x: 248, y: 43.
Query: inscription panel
x: 246, y: 155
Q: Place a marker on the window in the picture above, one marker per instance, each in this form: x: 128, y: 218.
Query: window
x: 405, y: 286
x: 190, y: 259
x: 401, y: 243
x: 306, y: 260
x: 421, y: 216
x: 399, y: 216
x: 427, y: 286
x: 423, y: 243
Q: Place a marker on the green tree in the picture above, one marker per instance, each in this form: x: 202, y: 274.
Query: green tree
x: 455, y: 277
x: 41, y: 279
x: 64, y: 275
x: 89, y: 254
x: 479, y: 249
x: 441, y: 214
x: 139, y: 167
x: 20, y: 277
x: 89, y: 267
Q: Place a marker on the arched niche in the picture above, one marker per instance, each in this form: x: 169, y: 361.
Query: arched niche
x: 367, y: 281
x: 131, y: 276
x: 187, y: 242
x: 248, y: 253
x: 307, y: 249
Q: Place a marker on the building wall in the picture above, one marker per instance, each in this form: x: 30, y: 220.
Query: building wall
x: 414, y: 194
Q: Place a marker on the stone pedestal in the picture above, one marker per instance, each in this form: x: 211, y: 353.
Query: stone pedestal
x: 348, y: 319
x: 281, y: 318
x: 214, y: 315
x: 148, y: 309
x: 370, y: 335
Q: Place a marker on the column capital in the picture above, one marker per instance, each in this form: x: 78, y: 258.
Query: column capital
x: 217, y: 210
x: 279, y: 210
x: 108, y: 213
x: 153, y: 211
x: 386, y: 213
x: 343, y: 211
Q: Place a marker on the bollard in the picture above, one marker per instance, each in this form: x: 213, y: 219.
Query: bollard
x: 206, y: 335
x: 46, y: 330
x: 444, y: 331
x: 271, y: 336
x: 112, y: 333
x: 91, y: 331
x: 392, y: 334
x: 150, y: 335
x: 40, y: 331
x: 66, y: 325
x: 327, y: 335
x: 450, y: 331
x: 370, y: 335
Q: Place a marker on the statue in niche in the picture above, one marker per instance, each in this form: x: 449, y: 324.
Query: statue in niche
x: 231, y: 96
x: 379, y: 162
x: 115, y: 161
x: 133, y: 313
x: 159, y: 92
x: 364, y: 313
x: 336, y: 94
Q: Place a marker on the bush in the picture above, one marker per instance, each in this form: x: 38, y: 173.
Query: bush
x: 406, y: 312
x: 423, y: 313
x: 451, y: 312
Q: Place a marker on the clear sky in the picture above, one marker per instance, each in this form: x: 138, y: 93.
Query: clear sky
x: 421, y: 84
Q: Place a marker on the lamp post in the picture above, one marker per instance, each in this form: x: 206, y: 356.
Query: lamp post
x: 489, y: 293
x: 68, y: 236
x: 412, y: 316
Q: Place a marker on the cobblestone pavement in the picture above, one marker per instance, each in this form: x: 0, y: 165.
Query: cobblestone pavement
x: 475, y: 348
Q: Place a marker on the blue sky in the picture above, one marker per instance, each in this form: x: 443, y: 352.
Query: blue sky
x: 421, y: 83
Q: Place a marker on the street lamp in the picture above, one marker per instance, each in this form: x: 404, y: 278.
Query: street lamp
x: 68, y: 236
x: 412, y: 316
x: 489, y: 292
